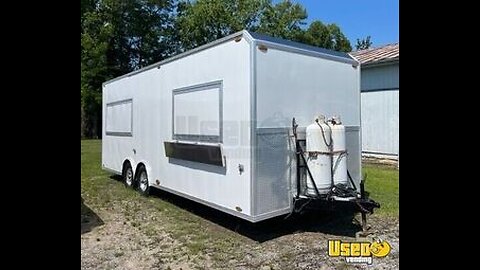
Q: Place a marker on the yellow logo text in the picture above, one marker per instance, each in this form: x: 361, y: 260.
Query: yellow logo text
x: 360, y: 252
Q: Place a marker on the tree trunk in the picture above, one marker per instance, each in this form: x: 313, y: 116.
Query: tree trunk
x: 83, y: 124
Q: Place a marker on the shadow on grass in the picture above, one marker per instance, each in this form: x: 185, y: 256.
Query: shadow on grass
x: 90, y: 220
x: 116, y: 177
x: 335, y: 220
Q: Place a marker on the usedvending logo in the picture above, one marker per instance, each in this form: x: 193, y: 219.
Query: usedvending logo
x: 358, y: 252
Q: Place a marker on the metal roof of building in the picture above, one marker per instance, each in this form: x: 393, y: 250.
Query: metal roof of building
x: 386, y: 53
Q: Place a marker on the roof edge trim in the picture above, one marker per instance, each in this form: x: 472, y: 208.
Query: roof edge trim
x: 181, y: 55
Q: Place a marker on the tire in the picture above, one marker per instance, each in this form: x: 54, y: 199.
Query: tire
x: 142, y: 179
x: 128, y: 176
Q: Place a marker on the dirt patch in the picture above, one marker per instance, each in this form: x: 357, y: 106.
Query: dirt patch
x: 135, y: 235
x: 387, y: 162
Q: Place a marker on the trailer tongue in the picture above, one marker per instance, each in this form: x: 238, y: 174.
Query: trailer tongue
x: 318, y: 173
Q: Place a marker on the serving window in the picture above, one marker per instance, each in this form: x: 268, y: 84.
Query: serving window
x: 197, y: 112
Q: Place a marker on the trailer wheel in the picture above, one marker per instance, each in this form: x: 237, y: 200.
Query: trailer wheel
x: 143, y: 185
x: 128, y: 177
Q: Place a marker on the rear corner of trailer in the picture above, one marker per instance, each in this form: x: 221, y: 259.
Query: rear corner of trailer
x: 117, y: 123
x: 296, y: 82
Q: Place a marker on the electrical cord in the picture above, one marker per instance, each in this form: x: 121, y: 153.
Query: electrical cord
x: 295, y: 210
x: 303, y: 206
x: 330, y: 148
x: 337, y: 162
x: 329, y: 145
x: 351, y: 180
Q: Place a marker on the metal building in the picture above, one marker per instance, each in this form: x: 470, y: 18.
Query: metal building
x: 379, y: 94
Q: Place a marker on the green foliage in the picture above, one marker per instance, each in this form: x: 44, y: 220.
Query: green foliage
x: 283, y: 20
x: 207, y: 20
x: 204, y: 21
x: 363, y: 44
x: 119, y: 36
x: 327, y: 36
x: 116, y: 38
x: 340, y: 42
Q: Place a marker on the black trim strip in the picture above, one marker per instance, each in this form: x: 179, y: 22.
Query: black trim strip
x: 121, y: 134
x: 208, y: 154
x: 381, y: 89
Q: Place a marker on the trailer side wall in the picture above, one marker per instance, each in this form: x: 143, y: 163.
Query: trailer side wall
x: 223, y: 73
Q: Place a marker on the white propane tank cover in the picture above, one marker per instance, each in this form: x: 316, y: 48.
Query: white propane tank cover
x: 320, y: 118
x: 318, y: 159
x: 315, y: 134
x: 339, y: 160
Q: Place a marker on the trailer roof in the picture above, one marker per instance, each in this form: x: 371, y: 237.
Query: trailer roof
x: 262, y: 37
x: 256, y: 37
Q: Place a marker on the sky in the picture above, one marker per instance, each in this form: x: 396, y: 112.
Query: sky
x: 358, y: 18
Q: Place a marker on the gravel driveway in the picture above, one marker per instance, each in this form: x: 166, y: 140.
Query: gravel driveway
x: 164, y: 231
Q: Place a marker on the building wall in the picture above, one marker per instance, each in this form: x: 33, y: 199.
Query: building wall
x: 380, y: 111
x: 380, y: 77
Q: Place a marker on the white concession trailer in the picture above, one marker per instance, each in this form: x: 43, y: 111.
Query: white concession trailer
x: 214, y: 124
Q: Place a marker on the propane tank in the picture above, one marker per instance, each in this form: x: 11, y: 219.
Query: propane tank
x: 318, y: 158
x: 339, y: 160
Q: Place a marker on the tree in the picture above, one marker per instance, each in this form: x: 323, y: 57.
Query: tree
x: 204, y: 21
x: 363, y: 44
x: 94, y: 70
x: 340, y: 41
x: 318, y: 35
x: 283, y: 20
x: 326, y: 36
x: 86, y: 6
x: 207, y: 20
x: 118, y: 36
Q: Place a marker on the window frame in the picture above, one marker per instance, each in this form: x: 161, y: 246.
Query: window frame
x: 194, y: 88
x: 119, y: 133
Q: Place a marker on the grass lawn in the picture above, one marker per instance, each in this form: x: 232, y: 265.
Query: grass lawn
x: 382, y: 184
x: 97, y: 187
